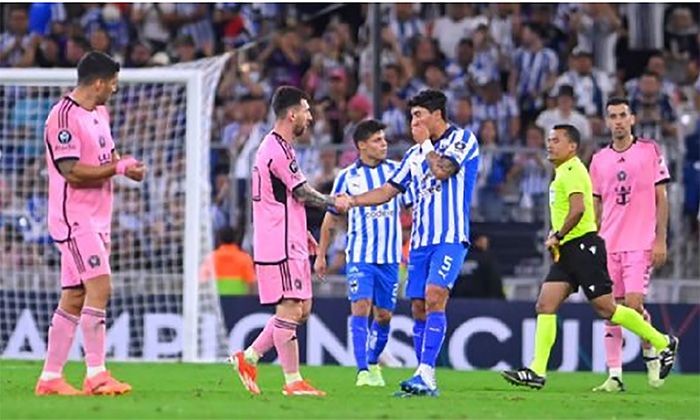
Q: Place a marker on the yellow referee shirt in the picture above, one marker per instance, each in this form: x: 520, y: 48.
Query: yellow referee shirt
x: 571, y: 177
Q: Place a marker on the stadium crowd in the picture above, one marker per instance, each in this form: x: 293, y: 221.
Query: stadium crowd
x: 510, y: 71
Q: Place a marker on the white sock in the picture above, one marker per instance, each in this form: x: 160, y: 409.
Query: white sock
x: 47, y: 376
x: 427, y: 373
x: 92, y: 371
x: 650, y: 352
x: 251, y: 356
x: 292, y: 377
x: 616, y: 373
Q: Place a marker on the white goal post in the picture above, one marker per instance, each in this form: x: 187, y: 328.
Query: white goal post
x: 186, y: 102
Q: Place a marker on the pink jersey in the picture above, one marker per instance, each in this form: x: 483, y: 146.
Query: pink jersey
x: 72, y: 132
x: 626, y: 183
x: 279, y: 220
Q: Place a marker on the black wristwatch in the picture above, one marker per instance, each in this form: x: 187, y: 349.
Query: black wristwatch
x: 558, y: 235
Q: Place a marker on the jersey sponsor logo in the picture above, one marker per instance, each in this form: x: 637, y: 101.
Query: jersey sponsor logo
x: 379, y: 214
x: 432, y: 189
x: 623, y: 195
x: 64, y: 137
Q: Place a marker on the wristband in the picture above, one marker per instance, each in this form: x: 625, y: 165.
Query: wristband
x: 123, y: 164
x: 558, y: 235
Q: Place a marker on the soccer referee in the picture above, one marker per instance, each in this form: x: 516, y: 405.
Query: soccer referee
x: 579, y: 261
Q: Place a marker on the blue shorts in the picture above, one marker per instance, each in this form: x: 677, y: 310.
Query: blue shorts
x: 433, y: 264
x: 379, y: 282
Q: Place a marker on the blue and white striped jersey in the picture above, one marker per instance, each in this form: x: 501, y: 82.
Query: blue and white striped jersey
x: 441, y: 208
x: 374, y: 232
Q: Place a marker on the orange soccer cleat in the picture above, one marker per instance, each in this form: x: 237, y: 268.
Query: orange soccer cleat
x: 57, y: 386
x: 104, y: 384
x: 302, y: 388
x: 247, y: 372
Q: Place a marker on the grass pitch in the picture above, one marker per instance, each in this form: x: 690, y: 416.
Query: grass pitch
x: 212, y: 391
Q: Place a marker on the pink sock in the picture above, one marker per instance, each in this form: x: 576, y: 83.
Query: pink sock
x: 264, y: 342
x: 613, y: 346
x: 645, y: 344
x: 61, y: 334
x: 93, y: 326
x: 285, y: 338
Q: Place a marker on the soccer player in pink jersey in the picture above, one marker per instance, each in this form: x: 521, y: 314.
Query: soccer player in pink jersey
x: 281, y: 243
x: 629, y: 186
x: 81, y: 160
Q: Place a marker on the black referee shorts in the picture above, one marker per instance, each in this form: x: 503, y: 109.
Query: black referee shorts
x: 583, y: 263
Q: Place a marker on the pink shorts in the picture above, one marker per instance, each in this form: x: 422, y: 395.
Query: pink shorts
x: 630, y: 272
x: 84, y: 257
x: 290, y: 279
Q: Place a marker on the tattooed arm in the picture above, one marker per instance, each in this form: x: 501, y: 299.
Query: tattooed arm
x: 307, y: 195
x: 441, y: 166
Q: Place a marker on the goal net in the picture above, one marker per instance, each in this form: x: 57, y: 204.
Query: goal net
x: 161, y: 231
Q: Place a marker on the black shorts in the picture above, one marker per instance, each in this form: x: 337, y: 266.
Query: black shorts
x: 583, y: 263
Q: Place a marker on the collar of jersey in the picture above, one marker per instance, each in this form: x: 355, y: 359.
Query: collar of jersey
x: 359, y: 163
x: 634, y: 141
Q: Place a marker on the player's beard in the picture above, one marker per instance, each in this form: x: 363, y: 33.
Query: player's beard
x: 299, y: 130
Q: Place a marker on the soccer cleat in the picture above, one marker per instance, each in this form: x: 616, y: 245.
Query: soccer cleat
x: 524, y: 377
x: 667, y: 357
x: 57, y: 386
x: 612, y: 384
x: 375, y: 376
x: 247, y: 372
x: 104, y: 384
x: 654, y: 372
x: 302, y: 387
x: 417, y: 386
x: 362, y: 378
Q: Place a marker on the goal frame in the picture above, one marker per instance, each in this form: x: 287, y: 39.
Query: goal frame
x: 193, y: 80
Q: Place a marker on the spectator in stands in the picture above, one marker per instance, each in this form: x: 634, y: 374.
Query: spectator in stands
x: 655, y: 117
x: 591, y: 87
x: 655, y: 64
x: 565, y: 113
x: 335, y: 105
x: 139, y: 56
x: 151, y: 26
x: 285, y: 59
x: 504, y: 21
x: 491, y: 175
x: 185, y: 50
x: 405, y: 24
x: 393, y: 115
x: 48, y: 54
x: 645, y: 34
x: 458, y: 69
x: 228, y: 265
x: 597, y: 26
x: 534, y: 72
x: 42, y: 16
x: 480, y: 275
x: 463, y: 116
x: 491, y: 104
x: 529, y: 170
x: 359, y: 109
x: 17, y: 45
x: 458, y: 23
x: 76, y: 47
x: 322, y: 177
x: 487, y: 61
x: 681, y: 35
x: 552, y: 37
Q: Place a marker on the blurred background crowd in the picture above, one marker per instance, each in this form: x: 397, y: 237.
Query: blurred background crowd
x: 510, y: 71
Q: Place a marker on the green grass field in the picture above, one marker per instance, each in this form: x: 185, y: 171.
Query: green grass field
x: 211, y: 391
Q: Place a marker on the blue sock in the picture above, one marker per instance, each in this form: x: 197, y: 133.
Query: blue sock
x: 435, y: 327
x: 418, y: 328
x: 358, y: 330
x: 378, y: 337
